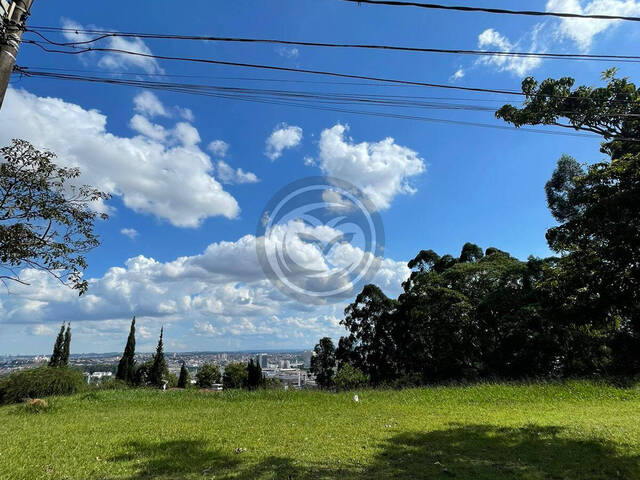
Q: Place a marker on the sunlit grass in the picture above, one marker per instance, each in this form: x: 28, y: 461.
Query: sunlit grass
x: 575, y: 430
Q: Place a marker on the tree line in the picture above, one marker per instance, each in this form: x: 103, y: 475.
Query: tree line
x: 484, y: 314
x: 155, y: 372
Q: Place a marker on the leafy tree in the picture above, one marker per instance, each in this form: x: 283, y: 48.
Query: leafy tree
x: 56, y: 355
x: 142, y: 372
x: 46, y: 222
x: 208, y: 375
x: 126, y: 366
x: 254, y: 375
x: 349, y: 378
x: 235, y: 375
x: 323, y: 362
x: 597, y: 207
x: 184, y: 379
x: 611, y: 111
x: 370, y: 320
x: 158, y: 371
x: 66, y: 347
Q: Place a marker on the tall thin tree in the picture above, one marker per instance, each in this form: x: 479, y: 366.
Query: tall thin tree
x: 56, y: 356
x: 66, y: 347
x: 159, y: 367
x: 126, y: 366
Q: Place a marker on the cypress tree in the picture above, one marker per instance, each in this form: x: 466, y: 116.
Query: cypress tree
x: 56, y: 356
x: 159, y: 366
x: 66, y: 347
x: 254, y: 374
x: 183, y: 381
x: 126, y: 366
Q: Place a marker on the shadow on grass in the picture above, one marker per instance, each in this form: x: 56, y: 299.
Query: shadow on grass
x: 462, y: 452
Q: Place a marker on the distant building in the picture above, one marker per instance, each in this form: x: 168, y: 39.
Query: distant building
x: 262, y: 360
x: 97, y: 377
x: 307, y: 358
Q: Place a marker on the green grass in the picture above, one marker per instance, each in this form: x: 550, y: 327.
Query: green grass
x: 575, y: 430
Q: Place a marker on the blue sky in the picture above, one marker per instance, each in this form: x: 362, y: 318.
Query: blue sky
x: 189, y: 221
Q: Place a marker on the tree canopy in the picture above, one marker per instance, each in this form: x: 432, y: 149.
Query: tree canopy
x: 46, y: 221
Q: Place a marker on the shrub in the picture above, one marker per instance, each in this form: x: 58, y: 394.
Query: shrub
x: 40, y: 382
x: 349, y: 377
x: 208, y: 375
x: 235, y: 376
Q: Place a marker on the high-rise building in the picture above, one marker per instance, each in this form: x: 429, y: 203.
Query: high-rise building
x: 262, y: 360
x: 307, y: 358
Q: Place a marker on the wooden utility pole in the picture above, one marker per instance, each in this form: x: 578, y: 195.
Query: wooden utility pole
x: 13, y: 23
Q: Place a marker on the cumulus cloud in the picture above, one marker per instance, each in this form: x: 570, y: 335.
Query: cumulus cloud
x: 226, y: 174
x: 145, y: 127
x: 147, y: 103
x: 554, y: 33
x: 115, y: 61
x: 583, y: 31
x: 380, y: 169
x: 220, y: 292
x: 171, y: 179
x: 132, y: 233
x: 283, y: 137
x: 491, y: 39
x: 218, y: 148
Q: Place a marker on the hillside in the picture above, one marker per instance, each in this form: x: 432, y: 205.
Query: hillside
x: 575, y: 430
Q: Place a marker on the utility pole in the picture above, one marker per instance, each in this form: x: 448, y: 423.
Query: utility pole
x: 13, y: 22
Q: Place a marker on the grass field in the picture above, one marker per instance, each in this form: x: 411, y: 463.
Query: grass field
x: 576, y: 430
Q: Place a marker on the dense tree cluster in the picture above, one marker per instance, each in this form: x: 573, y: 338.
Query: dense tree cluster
x: 486, y: 314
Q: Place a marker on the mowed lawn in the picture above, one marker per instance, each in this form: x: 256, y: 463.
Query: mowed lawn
x: 575, y: 430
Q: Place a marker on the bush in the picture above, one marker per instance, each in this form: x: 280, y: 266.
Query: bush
x: 40, y: 382
x: 349, y: 377
x: 208, y: 375
x: 235, y: 376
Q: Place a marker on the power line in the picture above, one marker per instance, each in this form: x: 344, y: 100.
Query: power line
x: 104, y: 34
x: 434, y: 6
x: 261, y: 96
x: 273, y: 68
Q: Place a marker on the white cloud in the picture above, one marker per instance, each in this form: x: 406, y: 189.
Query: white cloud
x: 552, y: 34
x: 583, y: 31
x: 337, y: 202
x: 145, y: 127
x: 288, y: 52
x: 132, y: 233
x: 42, y: 330
x: 491, y: 39
x: 457, y: 75
x: 380, y: 169
x: 283, y: 137
x: 116, y: 61
x: 220, y: 292
x: 219, y: 148
x: 147, y: 103
x: 170, y: 181
x: 309, y: 162
x: 186, y: 114
x: 226, y: 174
